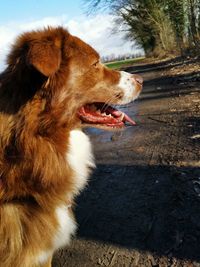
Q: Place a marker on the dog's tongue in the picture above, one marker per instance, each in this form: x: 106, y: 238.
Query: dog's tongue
x: 118, y: 113
x: 128, y: 119
x: 104, y: 115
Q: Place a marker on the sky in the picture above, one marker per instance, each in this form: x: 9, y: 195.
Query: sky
x: 24, y: 15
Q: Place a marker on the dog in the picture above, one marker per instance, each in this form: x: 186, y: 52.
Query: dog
x: 53, y: 86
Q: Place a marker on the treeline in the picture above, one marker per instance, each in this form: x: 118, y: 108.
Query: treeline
x: 159, y: 27
x: 113, y: 57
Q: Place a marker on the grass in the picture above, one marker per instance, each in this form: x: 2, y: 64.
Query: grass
x: 123, y: 63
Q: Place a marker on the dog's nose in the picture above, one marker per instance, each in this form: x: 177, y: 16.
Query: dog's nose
x: 138, y: 82
x: 137, y: 79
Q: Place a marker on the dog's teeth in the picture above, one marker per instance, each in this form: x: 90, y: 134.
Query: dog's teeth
x: 104, y: 114
x: 109, y: 115
x: 98, y: 111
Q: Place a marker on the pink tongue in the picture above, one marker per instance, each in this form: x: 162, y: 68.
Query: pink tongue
x: 128, y: 119
x: 118, y: 113
x: 91, y: 116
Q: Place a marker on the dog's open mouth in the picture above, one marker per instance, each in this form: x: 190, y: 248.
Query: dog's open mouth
x: 101, y: 114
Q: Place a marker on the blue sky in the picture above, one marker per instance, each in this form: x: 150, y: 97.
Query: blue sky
x: 17, y: 16
x: 12, y: 10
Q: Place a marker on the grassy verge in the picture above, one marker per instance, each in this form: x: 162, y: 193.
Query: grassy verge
x: 123, y: 63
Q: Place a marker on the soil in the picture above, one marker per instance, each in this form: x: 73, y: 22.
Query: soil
x: 142, y: 204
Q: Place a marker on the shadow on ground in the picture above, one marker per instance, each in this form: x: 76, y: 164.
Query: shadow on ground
x: 151, y: 208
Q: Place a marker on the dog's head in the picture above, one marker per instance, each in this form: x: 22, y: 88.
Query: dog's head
x: 73, y: 78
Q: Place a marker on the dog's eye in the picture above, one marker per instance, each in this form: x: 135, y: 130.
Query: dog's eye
x: 95, y: 64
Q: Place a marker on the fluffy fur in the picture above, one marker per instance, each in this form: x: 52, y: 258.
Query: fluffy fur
x: 44, y: 159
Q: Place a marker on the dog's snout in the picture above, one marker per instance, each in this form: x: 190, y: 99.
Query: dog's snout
x: 131, y: 85
x: 137, y: 79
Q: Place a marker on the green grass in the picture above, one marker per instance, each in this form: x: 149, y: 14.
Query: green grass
x: 123, y: 63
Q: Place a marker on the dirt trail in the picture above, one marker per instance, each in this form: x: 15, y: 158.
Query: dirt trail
x: 142, y: 205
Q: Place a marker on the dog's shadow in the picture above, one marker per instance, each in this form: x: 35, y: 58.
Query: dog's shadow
x: 148, y: 208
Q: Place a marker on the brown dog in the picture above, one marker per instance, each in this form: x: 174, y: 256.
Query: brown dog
x: 53, y: 86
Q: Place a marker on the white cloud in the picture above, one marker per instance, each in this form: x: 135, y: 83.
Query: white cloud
x: 94, y: 30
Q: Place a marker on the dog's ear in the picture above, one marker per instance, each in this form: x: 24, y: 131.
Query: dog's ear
x: 45, y: 55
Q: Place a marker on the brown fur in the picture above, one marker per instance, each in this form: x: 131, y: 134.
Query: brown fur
x: 50, y: 75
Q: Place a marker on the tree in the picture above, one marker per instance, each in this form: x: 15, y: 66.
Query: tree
x: 160, y: 27
x: 175, y: 10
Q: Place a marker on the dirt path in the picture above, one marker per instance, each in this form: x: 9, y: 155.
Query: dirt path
x: 142, y: 205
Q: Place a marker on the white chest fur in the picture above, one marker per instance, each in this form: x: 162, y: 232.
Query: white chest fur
x: 66, y: 229
x: 80, y: 158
